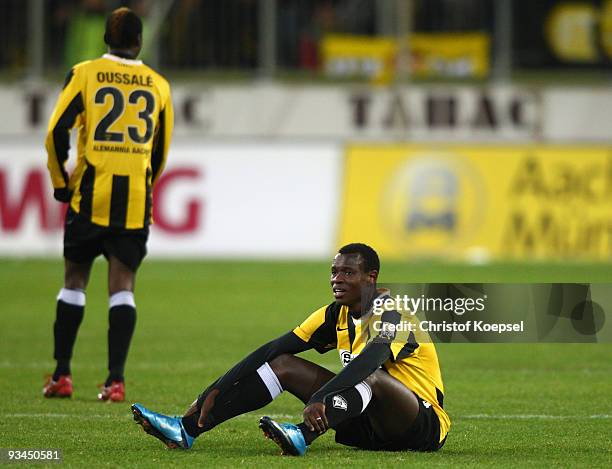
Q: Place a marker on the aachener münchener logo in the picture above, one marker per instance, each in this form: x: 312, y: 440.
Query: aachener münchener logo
x: 488, y: 312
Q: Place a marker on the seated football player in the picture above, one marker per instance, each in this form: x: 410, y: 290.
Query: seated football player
x: 388, y: 396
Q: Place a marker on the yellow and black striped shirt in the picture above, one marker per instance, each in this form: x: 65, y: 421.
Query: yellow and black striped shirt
x: 123, y: 112
x: 413, y: 364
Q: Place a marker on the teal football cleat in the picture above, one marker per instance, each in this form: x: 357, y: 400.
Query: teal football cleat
x: 286, y: 435
x: 169, y: 430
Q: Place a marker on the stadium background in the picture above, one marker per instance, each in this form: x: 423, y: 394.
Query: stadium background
x: 467, y: 141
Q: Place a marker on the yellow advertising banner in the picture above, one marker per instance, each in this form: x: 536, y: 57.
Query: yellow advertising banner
x: 461, y: 54
x: 450, y: 54
x: 479, y: 203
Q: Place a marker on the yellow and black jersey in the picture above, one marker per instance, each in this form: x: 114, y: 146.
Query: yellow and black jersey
x: 413, y: 364
x: 123, y: 112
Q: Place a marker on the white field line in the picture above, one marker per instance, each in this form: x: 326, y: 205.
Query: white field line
x: 534, y: 417
x: 332, y: 365
x: 45, y: 366
x: 92, y: 366
x: 52, y: 415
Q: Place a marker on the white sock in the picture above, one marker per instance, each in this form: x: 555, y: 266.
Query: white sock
x: 72, y: 297
x: 365, y: 391
x: 270, y: 379
x: 123, y: 297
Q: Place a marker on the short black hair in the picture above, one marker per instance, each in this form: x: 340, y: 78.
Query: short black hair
x: 123, y: 29
x: 370, y: 258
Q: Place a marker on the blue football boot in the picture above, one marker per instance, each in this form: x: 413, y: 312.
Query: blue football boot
x: 286, y: 435
x: 169, y: 430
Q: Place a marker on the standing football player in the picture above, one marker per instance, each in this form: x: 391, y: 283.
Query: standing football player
x: 388, y: 396
x: 123, y: 112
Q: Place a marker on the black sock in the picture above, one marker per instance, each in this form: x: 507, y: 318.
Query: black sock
x: 121, y: 323
x: 68, y: 318
x: 309, y: 435
x: 338, y: 408
x: 250, y: 393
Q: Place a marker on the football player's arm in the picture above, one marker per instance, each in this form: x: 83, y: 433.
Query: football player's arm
x: 69, y: 106
x: 161, y: 144
x: 377, y: 352
x: 362, y: 366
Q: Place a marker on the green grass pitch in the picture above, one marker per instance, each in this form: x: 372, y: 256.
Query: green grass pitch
x: 511, y: 405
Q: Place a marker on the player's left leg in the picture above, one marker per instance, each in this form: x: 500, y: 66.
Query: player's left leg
x: 394, y: 407
x: 378, y: 413
x: 395, y: 419
x: 69, y: 312
x: 300, y: 377
x: 81, y: 247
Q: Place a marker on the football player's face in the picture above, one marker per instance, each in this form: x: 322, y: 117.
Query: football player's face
x: 348, y: 279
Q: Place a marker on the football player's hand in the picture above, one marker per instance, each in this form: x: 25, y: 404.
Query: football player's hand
x: 62, y: 195
x: 208, y: 404
x: 314, y: 417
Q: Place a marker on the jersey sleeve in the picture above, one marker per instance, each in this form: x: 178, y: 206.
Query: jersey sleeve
x: 378, y: 350
x: 68, y: 108
x: 405, y: 347
x: 362, y: 366
x: 319, y: 329
x: 401, y: 342
x: 163, y: 135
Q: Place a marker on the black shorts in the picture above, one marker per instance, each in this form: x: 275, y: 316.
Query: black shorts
x: 84, y: 241
x: 423, y: 434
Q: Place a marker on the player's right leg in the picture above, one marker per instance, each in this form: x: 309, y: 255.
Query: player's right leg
x: 249, y: 393
x: 169, y: 430
x: 286, y: 372
x: 125, y: 252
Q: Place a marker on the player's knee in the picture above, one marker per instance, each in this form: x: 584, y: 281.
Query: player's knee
x: 74, y: 284
x: 76, y: 276
x: 121, y: 282
x: 120, y: 277
x: 281, y: 366
x: 375, y: 378
x: 74, y: 280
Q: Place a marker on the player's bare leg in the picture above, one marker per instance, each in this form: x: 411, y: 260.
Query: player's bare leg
x: 296, y: 375
x: 76, y: 276
x: 300, y: 377
x: 120, y: 277
x: 390, y: 406
x: 393, y: 408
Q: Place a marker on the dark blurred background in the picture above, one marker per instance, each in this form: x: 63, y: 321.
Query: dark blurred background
x: 431, y: 39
